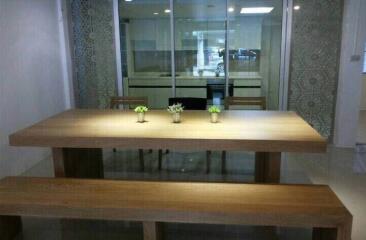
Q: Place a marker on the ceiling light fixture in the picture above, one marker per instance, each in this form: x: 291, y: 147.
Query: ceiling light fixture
x: 167, y: 10
x: 231, y: 9
x: 156, y: 13
x: 128, y: 0
x: 297, y: 7
x: 256, y: 10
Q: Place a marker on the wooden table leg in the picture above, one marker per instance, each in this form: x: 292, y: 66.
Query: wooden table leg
x: 208, y: 161
x: 78, y: 162
x: 268, y: 170
x: 152, y: 231
x: 342, y: 232
x: 223, y: 163
x: 141, y: 158
x: 10, y: 227
x: 324, y: 234
x: 160, y: 159
x: 267, y: 167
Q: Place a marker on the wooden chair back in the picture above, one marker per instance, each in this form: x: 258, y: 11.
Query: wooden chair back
x: 246, y: 101
x: 118, y: 101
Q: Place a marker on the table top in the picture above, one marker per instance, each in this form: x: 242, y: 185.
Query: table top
x: 260, y: 131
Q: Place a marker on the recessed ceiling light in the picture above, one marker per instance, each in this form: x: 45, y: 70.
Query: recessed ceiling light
x: 156, y: 13
x: 297, y: 7
x: 128, y: 0
x: 256, y: 10
x: 231, y: 9
x: 167, y: 10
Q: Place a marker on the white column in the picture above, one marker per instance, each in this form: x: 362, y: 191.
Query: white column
x: 350, y: 75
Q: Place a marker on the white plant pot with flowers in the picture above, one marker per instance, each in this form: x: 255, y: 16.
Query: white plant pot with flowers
x: 176, y: 110
x: 141, y: 110
x: 214, y: 112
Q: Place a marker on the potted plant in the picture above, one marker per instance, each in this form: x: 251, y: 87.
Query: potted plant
x: 176, y: 110
x: 141, y: 110
x: 214, y: 111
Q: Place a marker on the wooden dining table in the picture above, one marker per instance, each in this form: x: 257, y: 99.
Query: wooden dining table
x: 77, y: 137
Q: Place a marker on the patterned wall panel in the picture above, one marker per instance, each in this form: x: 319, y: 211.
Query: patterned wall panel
x: 314, y: 67
x: 94, y: 55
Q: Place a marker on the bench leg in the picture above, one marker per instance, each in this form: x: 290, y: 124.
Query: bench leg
x: 78, y: 162
x: 267, y: 167
x: 152, y: 231
x: 10, y: 227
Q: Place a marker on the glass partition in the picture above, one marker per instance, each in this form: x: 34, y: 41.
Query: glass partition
x: 200, y: 36
x: 146, y: 50
x: 255, y: 35
x: 252, y: 30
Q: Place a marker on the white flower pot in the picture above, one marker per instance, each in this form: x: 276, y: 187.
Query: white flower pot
x: 141, y: 117
x: 176, y: 117
x: 214, y: 117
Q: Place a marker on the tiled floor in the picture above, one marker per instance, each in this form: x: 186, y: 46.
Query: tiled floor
x: 342, y: 169
x: 361, y: 136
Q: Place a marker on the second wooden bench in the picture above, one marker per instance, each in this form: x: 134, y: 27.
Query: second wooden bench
x: 154, y: 203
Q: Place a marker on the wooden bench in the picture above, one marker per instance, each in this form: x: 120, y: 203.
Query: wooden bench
x: 154, y: 203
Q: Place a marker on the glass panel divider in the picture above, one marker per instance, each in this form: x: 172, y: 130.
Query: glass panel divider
x: 117, y: 45
x: 172, y: 47
x: 285, y: 53
x: 227, y: 94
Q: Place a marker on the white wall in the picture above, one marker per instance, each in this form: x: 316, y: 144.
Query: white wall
x: 350, y: 76
x: 363, y: 99
x: 32, y: 75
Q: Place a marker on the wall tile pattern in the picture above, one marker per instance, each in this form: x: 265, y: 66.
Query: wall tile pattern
x: 94, y: 54
x: 314, y: 67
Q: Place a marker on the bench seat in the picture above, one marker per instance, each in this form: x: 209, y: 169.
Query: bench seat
x: 153, y: 203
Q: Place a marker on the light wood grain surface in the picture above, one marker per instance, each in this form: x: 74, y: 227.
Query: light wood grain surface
x: 265, y: 131
x: 211, y: 203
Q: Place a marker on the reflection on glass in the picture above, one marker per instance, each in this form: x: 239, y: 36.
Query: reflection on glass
x: 145, y: 50
x: 199, y: 46
x: 255, y: 34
